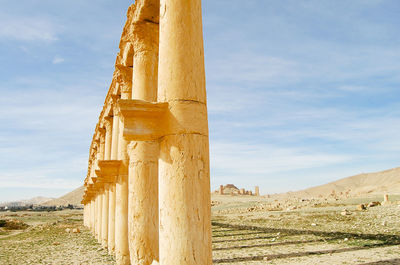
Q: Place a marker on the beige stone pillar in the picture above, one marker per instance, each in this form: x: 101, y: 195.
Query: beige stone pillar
x: 184, y: 177
x: 104, y: 223
x: 121, y: 202
x: 115, y: 136
x: 108, y: 138
x: 93, y: 203
x: 143, y: 155
x: 89, y: 214
x: 143, y: 201
x: 257, y: 191
x: 221, y: 189
x: 111, y: 219
x: 96, y: 219
x: 386, y: 198
x: 99, y: 215
x: 84, y: 215
x: 114, y: 156
x: 145, y: 60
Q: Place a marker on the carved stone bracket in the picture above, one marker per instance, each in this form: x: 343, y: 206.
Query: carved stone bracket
x: 142, y: 120
x: 109, y: 170
x: 152, y: 120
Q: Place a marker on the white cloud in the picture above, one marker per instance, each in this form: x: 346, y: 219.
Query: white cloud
x: 27, y: 29
x: 58, y: 60
x: 242, y: 159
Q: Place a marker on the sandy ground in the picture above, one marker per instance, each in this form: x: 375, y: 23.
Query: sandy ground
x: 246, y: 230
x: 256, y: 230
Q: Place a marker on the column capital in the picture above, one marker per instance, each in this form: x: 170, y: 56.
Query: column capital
x: 108, y: 123
x: 123, y: 75
x: 142, y: 40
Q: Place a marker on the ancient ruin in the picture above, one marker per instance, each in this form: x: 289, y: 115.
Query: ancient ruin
x: 230, y: 189
x: 151, y: 142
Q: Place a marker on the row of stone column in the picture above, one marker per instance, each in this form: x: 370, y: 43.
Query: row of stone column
x: 147, y: 191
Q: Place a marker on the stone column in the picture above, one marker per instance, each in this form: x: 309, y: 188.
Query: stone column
x: 386, y: 199
x: 121, y: 203
x: 84, y: 214
x: 115, y: 135
x: 143, y: 201
x: 221, y: 189
x: 257, y: 191
x: 104, y: 223
x: 108, y: 140
x: 93, y: 215
x: 112, y: 196
x: 184, y: 177
x: 96, y: 219
x: 111, y: 219
x: 143, y: 155
x: 99, y: 215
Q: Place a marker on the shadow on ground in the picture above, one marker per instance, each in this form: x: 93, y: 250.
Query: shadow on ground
x: 368, y: 242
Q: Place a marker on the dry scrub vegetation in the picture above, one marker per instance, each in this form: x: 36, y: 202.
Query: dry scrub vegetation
x: 45, y: 240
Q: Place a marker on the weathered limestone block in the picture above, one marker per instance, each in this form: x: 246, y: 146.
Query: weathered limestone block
x: 257, y: 191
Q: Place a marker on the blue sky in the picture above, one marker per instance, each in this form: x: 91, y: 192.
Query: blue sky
x: 300, y: 93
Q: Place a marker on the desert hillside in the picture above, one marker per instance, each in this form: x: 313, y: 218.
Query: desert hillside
x: 34, y: 201
x: 74, y: 197
x: 387, y: 181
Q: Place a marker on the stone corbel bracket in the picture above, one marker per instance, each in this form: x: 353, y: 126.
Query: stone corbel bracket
x: 145, y: 120
x: 109, y: 170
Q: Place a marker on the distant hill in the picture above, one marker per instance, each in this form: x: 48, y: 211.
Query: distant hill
x: 387, y: 181
x: 74, y: 197
x: 34, y: 201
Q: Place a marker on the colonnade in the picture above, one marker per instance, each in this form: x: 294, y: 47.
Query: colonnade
x: 147, y: 195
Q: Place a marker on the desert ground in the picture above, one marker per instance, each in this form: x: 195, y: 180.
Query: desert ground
x: 246, y: 230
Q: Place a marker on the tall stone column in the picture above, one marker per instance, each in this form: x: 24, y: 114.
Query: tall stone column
x: 115, y: 136
x: 121, y: 203
x: 84, y: 214
x: 93, y: 215
x: 96, y: 219
x: 104, y: 223
x: 143, y: 201
x: 112, y: 196
x: 108, y: 138
x: 99, y: 215
x: 111, y: 219
x: 143, y: 155
x: 184, y: 180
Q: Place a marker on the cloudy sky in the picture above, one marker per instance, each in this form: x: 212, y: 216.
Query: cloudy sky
x: 300, y: 93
